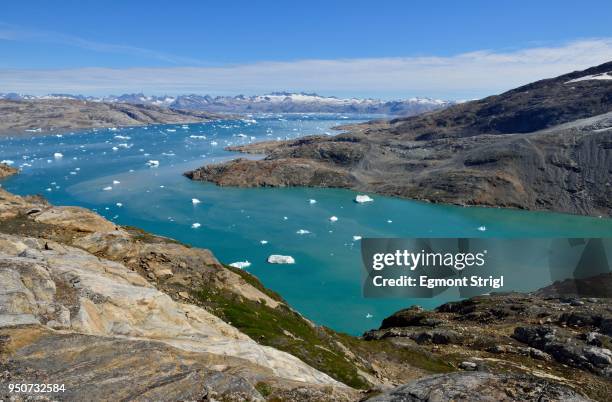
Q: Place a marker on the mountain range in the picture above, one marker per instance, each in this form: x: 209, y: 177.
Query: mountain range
x: 277, y: 102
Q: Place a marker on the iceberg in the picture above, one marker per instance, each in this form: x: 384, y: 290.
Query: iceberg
x: 240, y: 264
x: 333, y: 218
x: 312, y: 201
x: 280, y: 259
x: 195, y: 201
x: 108, y: 188
x: 58, y: 155
x: 361, y: 199
x: 357, y: 238
x: 152, y: 163
x: 264, y: 242
x: 482, y: 228
x: 195, y: 225
x: 116, y: 182
x: 302, y: 232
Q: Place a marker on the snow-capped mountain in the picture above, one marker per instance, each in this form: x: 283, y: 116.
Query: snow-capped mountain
x: 276, y: 102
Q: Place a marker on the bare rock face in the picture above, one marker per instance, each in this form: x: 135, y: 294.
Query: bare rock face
x: 67, y: 288
x: 481, y: 387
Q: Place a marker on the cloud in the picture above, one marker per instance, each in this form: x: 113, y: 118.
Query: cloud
x: 17, y: 34
x: 466, y: 75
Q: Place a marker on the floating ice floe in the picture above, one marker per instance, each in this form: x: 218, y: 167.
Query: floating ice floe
x: 195, y: 201
x: 264, y: 242
x: 333, y: 218
x: 171, y: 130
x: 361, y: 199
x: 122, y: 137
x: 312, y: 201
x: 357, y: 238
x: 115, y: 149
x: 389, y: 221
x: 195, y: 225
x: 241, y: 135
x: 482, y: 228
x: 281, y: 259
x: 369, y: 315
x: 303, y: 232
x: 58, y: 155
x: 7, y: 162
x: 116, y: 182
x: 240, y: 264
x: 119, y: 204
x: 153, y: 163
x: 198, y: 137
x: 107, y: 188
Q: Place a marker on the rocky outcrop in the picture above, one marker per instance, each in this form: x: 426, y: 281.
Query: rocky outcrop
x: 545, y: 146
x: 67, y: 114
x: 566, y: 340
x: 6, y: 170
x: 481, y: 387
x: 78, y: 291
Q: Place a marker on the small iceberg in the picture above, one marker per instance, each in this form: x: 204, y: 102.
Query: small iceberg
x: 362, y: 199
x: 195, y: 201
x: 482, y: 228
x: 264, y: 242
x: 153, y: 163
x: 312, y: 201
x: 116, y: 182
x: 333, y: 219
x: 7, y: 162
x: 119, y: 204
x: 107, y: 188
x: 357, y: 238
x: 303, y: 232
x: 240, y: 264
x: 195, y: 225
x: 280, y: 259
x: 369, y: 315
x: 58, y: 155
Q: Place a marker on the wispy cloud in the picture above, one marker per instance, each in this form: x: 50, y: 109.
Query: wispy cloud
x: 461, y: 76
x: 18, y: 34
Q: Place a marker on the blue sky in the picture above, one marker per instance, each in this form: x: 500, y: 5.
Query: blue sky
x: 385, y: 49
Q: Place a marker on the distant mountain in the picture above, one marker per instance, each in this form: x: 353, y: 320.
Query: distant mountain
x: 66, y: 112
x: 277, y: 102
x: 543, y: 146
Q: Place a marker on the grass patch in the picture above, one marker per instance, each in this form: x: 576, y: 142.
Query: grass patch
x: 285, y: 330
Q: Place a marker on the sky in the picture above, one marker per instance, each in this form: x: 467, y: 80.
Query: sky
x: 384, y: 49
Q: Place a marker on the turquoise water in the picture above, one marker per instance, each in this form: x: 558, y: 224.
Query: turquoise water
x: 325, y: 282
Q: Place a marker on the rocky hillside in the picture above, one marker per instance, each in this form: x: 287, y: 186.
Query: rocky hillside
x: 526, y: 109
x: 561, y: 338
x: 68, y: 114
x: 544, y: 146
